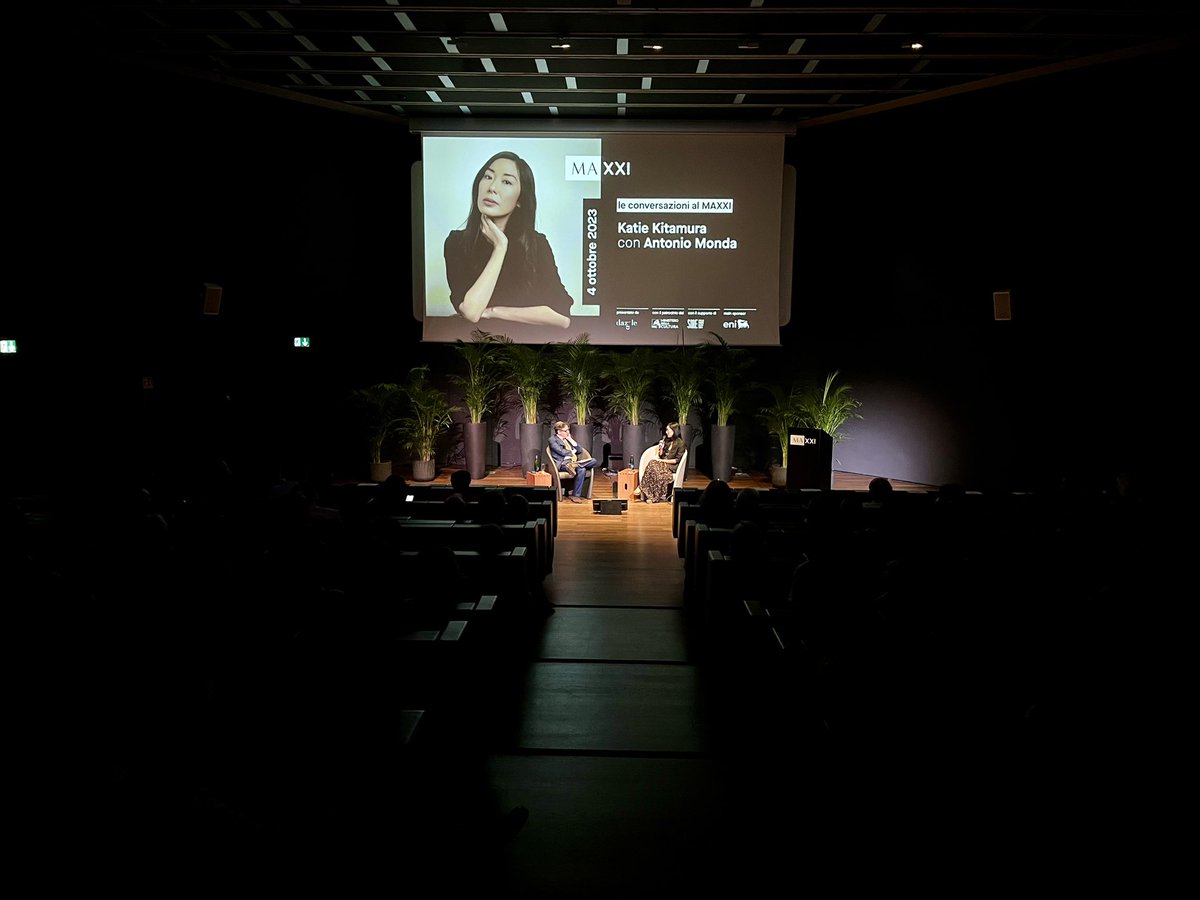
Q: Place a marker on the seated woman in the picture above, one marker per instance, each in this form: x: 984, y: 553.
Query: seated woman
x: 659, y: 479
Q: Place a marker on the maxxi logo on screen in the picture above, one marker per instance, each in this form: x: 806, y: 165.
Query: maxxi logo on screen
x: 590, y: 168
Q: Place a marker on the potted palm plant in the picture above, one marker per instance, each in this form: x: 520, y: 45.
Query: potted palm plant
x: 630, y: 376
x: 380, y: 405
x: 728, y: 367
x: 828, y: 408
x: 579, y: 369
x: 682, y: 370
x: 528, y: 371
x: 481, y: 386
x: 428, y: 416
x: 781, y: 413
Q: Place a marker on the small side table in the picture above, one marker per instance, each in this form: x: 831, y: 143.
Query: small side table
x: 627, y: 482
x: 538, y: 479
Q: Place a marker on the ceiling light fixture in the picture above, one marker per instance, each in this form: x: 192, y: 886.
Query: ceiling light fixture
x: 747, y: 45
x: 561, y: 44
x: 915, y: 45
x: 652, y: 46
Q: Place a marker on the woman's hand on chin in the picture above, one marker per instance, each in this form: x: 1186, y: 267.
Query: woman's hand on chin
x: 494, y: 233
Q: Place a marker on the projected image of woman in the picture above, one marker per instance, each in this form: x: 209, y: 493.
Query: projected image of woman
x: 498, y: 266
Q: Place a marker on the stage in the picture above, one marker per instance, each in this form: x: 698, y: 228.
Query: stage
x: 503, y: 476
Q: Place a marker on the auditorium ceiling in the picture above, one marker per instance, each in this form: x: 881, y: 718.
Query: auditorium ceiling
x: 749, y: 61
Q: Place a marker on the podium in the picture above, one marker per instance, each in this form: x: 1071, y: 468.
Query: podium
x: 809, y: 459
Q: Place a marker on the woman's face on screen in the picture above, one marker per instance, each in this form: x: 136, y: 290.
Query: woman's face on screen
x: 499, y: 189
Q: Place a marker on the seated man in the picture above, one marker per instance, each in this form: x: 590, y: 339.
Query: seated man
x: 565, y: 451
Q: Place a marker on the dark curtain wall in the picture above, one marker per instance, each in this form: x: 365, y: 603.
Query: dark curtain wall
x: 906, y: 223
x: 1067, y: 191
x: 157, y: 185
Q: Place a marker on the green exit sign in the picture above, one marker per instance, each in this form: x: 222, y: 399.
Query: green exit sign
x: 301, y: 342
x: 8, y: 346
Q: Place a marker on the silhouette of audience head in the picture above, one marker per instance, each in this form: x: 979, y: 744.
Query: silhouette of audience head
x: 879, y: 489
x: 457, y: 503
x: 517, y: 508
x: 747, y: 504
x: 716, y: 493
x: 716, y: 503
x: 491, y: 539
x: 747, y: 542
x: 394, y: 485
x: 492, y: 507
x: 849, y: 512
x: 392, y: 495
x: 460, y: 480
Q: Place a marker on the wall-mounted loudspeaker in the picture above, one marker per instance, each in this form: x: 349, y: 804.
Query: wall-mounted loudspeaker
x: 1002, y: 306
x: 212, y: 299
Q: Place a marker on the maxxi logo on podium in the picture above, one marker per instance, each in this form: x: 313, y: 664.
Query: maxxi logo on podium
x: 590, y: 168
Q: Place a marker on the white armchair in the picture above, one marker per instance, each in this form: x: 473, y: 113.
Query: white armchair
x: 650, y: 453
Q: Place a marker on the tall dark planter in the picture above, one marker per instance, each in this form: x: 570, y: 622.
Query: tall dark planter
x: 475, y: 436
x: 583, y: 436
x: 633, y: 442
x: 651, y: 434
x: 533, y: 443
x: 722, y: 452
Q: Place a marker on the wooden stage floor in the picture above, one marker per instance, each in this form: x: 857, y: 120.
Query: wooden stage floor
x: 842, y: 481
